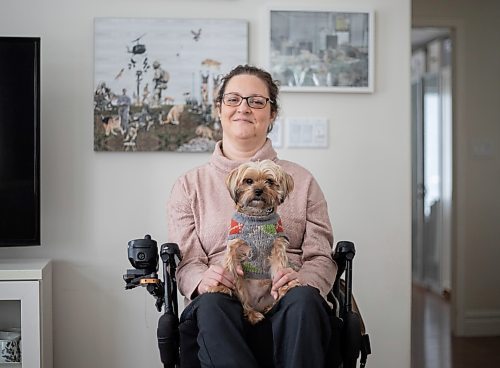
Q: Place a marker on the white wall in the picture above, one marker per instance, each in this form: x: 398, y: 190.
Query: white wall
x: 93, y: 203
x: 476, y: 249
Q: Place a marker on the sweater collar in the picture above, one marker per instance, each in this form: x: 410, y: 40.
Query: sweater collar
x: 224, y: 164
x: 243, y: 218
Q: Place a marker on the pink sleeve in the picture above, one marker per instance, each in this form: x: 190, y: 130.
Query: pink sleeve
x: 182, y: 230
x: 318, y: 268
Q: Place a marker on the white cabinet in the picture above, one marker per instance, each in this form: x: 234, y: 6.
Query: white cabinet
x: 26, y: 303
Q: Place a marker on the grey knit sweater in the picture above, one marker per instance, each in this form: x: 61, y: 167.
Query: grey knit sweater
x: 259, y: 232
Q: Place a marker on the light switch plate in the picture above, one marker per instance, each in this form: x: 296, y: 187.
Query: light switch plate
x: 307, y: 132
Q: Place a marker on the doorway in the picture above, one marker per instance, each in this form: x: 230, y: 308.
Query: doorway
x: 431, y: 109
x: 431, y: 94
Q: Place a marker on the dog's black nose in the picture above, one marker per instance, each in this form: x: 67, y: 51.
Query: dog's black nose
x: 258, y: 192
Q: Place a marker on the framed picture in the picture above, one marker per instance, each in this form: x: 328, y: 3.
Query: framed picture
x: 155, y: 81
x: 322, y: 50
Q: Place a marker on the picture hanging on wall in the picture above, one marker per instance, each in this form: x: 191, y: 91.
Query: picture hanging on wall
x: 322, y: 50
x: 155, y: 81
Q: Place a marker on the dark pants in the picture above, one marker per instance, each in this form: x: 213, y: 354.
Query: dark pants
x: 300, y: 331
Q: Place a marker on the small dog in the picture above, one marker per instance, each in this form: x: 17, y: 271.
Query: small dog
x: 173, y: 115
x: 204, y: 132
x: 256, y: 240
x: 112, y: 123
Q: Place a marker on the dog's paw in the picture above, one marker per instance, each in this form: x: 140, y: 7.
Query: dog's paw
x: 253, y: 316
x: 284, y: 289
x: 268, y: 308
x: 220, y: 289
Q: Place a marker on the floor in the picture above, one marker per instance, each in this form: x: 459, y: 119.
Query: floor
x: 432, y: 343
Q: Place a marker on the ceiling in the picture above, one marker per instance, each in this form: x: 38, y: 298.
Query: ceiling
x: 420, y: 36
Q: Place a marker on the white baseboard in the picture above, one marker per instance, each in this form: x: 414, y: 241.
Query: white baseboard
x: 482, y: 323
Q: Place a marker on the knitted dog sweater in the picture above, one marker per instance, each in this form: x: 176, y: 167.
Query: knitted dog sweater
x: 259, y: 232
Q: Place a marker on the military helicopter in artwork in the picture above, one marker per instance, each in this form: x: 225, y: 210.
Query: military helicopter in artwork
x: 138, y: 48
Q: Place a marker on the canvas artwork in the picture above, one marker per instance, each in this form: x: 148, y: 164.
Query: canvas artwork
x: 322, y: 50
x: 156, y: 81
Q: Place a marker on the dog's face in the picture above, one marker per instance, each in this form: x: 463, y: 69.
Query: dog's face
x: 258, y: 188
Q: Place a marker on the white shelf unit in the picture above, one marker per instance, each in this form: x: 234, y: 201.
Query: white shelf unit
x: 26, y: 303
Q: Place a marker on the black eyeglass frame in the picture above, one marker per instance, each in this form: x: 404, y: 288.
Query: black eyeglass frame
x: 247, y: 99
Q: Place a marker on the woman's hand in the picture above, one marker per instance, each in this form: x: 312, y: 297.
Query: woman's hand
x: 216, y: 275
x: 282, y: 278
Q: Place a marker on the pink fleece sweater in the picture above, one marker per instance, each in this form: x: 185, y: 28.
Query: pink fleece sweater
x: 200, y: 208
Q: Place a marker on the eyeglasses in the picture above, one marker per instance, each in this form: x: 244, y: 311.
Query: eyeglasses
x: 255, y: 102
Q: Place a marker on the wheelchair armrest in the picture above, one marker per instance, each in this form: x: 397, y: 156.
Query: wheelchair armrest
x: 168, y: 254
x: 344, y: 251
x: 356, y: 342
x: 343, y: 256
x: 169, y: 251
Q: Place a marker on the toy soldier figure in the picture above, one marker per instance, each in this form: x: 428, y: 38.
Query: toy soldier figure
x: 160, y: 79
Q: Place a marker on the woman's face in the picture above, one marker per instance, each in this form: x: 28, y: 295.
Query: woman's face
x: 244, y: 122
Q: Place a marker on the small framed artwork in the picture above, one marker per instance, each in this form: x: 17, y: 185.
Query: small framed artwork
x: 322, y: 50
x: 156, y: 80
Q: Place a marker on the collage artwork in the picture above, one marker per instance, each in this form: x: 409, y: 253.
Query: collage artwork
x: 156, y: 79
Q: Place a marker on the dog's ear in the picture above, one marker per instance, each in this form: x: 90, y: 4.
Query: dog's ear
x: 286, y: 186
x: 232, y: 184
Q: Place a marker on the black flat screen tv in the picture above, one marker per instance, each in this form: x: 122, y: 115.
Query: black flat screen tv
x: 19, y: 141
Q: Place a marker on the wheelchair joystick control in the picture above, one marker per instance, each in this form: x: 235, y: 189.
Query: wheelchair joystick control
x: 143, y: 256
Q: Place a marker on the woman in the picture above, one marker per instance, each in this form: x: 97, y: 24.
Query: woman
x: 199, y: 209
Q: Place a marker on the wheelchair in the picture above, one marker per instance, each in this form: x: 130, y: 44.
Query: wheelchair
x: 177, y: 338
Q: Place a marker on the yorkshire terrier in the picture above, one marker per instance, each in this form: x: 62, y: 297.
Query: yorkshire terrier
x: 256, y: 242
